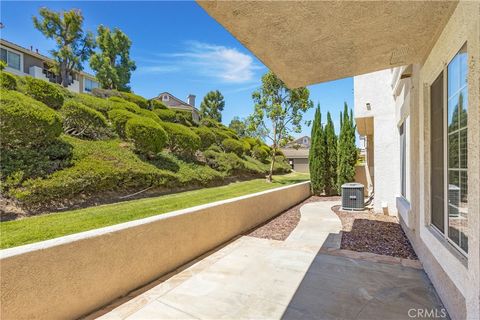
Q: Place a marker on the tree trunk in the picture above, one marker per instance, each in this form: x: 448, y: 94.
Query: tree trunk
x: 272, y: 164
x: 64, y: 74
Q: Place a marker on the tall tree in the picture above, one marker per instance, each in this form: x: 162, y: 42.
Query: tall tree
x: 74, y: 46
x: 316, y: 155
x: 330, y: 169
x: 112, y: 64
x: 239, y: 126
x: 212, y: 105
x: 346, y: 149
x: 278, y: 111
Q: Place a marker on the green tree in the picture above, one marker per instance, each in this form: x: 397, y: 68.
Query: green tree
x: 316, y: 155
x: 239, y: 126
x: 212, y: 106
x: 347, y: 153
x: 74, y: 46
x: 112, y: 64
x: 330, y: 156
x: 278, y: 110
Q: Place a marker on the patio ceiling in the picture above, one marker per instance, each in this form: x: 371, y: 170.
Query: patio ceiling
x: 306, y: 42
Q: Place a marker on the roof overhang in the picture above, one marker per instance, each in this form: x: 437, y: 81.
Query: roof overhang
x: 364, y: 126
x: 306, y: 42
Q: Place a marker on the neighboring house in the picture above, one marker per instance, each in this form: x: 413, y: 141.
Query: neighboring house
x: 420, y: 118
x: 297, y: 153
x: 27, y: 62
x: 174, y: 103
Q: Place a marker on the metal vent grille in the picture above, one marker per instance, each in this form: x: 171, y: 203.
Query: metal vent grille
x: 352, y: 196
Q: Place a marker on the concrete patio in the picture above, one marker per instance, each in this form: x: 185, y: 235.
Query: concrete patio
x: 253, y: 278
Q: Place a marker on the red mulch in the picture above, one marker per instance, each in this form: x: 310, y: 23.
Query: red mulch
x: 280, y: 227
x: 374, y: 233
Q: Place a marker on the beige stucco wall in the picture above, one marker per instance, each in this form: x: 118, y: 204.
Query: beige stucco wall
x: 71, y: 276
x: 376, y: 89
x: 301, y: 165
x: 456, y: 278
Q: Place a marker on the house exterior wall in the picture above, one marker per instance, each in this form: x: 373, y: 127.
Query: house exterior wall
x: 301, y: 165
x: 375, y: 89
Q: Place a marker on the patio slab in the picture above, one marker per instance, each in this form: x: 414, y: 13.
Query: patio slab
x: 253, y: 278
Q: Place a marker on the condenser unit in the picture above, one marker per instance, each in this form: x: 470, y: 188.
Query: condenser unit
x: 352, y: 196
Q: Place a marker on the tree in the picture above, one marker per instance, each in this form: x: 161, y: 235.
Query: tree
x: 239, y: 126
x: 112, y: 63
x: 330, y: 156
x: 212, y: 106
x: 346, y: 150
x: 278, y: 111
x: 316, y: 155
x: 74, y: 46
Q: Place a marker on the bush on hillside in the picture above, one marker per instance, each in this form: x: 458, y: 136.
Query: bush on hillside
x: 232, y: 145
x: 82, y: 121
x: 99, y: 104
x: 246, y: 146
x: 119, y: 118
x: 105, y: 93
x: 166, y: 114
x: 207, y: 137
x: 181, y: 140
x: 260, y: 153
x: 149, y: 114
x: 147, y: 135
x: 43, y: 91
x: 184, y: 117
x: 26, y: 122
x: 156, y: 104
x: 135, y: 98
x: 7, y: 81
x: 229, y: 163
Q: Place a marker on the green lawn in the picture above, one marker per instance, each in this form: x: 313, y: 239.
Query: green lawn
x: 48, y: 226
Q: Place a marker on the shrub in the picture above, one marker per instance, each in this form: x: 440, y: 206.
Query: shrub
x: 184, y: 117
x: 181, y: 140
x: 119, y: 118
x: 260, y: 153
x: 221, y: 134
x: 26, y: 122
x: 232, y: 145
x: 166, y: 114
x: 119, y: 103
x: 7, y: 81
x: 99, y: 104
x: 215, y: 148
x: 105, y: 93
x: 156, y: 104
x: 45, y: 92
x: 138, y: 100
x: 228, y: 163
x: 82, y: 121
x: 246, y: 145
x: 147, y: 135
x: 207, y: 137
x: 148, y: 114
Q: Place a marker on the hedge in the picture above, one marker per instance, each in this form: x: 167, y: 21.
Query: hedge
x: 44, y: 91
x: 147, y: 135
x: 135, y: 98
x: 119, y: 118
x: 260, y: 153
x: 166, y: 114
x: 82, y: 121
x: 148, y: 114
x: 207, y: 137
x: 99, y: 104
x: 232, y: 145
x: 156, y: 104
x: 184, y: 117
x: 26, y: 122
x: 181, y: 140
x: 228, y: 163
x: 119, y: 103
x: 7, y: 81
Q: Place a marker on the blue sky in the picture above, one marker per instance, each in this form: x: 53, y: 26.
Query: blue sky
x: 177, y: 48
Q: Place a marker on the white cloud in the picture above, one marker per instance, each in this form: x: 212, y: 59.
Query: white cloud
x: 158, y: 69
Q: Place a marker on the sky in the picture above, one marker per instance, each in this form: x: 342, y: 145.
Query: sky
x: 178, y: 48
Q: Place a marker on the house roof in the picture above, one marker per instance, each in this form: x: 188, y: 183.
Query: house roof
x: 295, y: 153
x: 306, y: 42
x: 177, y: 99
x: 37, y: 55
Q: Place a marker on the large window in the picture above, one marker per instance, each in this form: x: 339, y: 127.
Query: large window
x: 449, y: 152
x: 12, y: 59
x: 90, y: 85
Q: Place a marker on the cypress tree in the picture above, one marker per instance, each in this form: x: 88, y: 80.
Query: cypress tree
x: 316, y: 155
x: 330, y: 170
x: 346, y: 149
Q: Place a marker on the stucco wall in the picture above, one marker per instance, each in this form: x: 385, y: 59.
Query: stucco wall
x: 67, y: 277
x: 301, y: 165
x: 375, y: 88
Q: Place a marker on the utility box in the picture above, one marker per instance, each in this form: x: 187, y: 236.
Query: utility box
x: 352, y: 196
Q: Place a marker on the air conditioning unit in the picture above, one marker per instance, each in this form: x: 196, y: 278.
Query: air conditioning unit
x: 352, y: 196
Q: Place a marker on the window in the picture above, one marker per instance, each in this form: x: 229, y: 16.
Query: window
x: 403, y: 159
x: 12, y: 59
x: 165, y: 97
x: 449, y: 152
x: 90, y: 85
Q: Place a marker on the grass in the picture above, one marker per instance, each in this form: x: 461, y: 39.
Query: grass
x: 49, y: 226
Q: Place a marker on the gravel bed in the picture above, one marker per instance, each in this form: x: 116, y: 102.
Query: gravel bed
x: 374, y: 233
x: 280, y: 227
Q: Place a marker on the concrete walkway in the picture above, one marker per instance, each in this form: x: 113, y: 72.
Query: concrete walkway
x: 253, y: 278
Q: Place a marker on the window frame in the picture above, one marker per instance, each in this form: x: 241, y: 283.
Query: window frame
x: 20, y: 57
